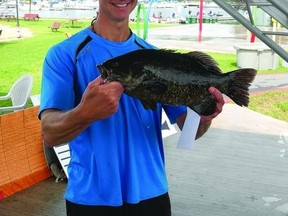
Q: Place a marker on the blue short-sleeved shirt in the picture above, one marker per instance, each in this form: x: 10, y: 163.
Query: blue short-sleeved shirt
x: 116, y: 160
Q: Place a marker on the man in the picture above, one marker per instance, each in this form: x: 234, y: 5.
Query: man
x: 117, y: 158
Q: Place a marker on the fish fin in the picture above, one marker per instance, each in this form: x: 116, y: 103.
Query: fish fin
x: 149, y: 105
x: 240, y: 81
x: 206, y: 108
x: 155, y: 87
x: 169, y: 50
x: 206, y: 61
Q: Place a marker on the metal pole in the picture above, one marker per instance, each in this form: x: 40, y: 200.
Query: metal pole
x: 30, y: 2
x: 17, y: 21
x: 268, y: 41
x: 252, y: 38
x: 249, y: 12
x: 17, y: 14
x: 281, y: 5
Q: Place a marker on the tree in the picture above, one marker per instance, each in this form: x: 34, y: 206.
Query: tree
x: 30, y: 3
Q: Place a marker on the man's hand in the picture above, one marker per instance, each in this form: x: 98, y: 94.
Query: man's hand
x: 99, y: 100
x: 206, y: 121
x: 219, y: 105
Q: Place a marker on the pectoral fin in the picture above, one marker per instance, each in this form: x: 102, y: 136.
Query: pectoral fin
x: 155, y: 87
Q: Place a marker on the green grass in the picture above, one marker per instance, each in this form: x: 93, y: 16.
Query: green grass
x: 27, y: 54
x: 274, y: 104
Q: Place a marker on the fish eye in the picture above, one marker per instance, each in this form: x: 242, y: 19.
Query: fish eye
x: 115, y: 64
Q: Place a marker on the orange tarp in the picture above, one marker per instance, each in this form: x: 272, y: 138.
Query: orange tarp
x: 22, y: 160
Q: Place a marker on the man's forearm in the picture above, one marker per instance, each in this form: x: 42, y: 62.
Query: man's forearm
x: 202, y: 128
x: 59, y: 127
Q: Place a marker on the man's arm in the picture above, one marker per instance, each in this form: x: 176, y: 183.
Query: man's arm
x: 205, y: 121
x: 98, y: 102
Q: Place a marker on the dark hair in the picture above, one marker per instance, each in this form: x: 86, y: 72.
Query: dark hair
x: 94, y: 20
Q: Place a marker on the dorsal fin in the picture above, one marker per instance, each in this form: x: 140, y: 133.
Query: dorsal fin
x: 206, y: 61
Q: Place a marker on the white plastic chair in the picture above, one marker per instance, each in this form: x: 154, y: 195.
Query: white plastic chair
x: 19, y: 93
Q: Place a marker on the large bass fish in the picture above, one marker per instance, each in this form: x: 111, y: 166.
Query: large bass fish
x: 168, y: 77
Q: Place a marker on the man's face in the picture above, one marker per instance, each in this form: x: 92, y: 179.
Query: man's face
x: 117, y: 10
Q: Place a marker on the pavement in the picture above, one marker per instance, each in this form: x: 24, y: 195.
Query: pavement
x: 214, y: 37
x: 269, y: 82
x: 10, y: 33
x: 239, y: 167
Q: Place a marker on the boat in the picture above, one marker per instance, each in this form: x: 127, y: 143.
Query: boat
x: 57, y: 7
x: 163, y: 5
x: 85, y: 5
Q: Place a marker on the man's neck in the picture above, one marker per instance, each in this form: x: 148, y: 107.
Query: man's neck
x: 112, y: 31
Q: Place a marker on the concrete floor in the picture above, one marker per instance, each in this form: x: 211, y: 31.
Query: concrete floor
x: 238, y: 168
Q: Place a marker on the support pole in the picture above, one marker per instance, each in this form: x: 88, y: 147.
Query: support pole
x: 200, y: 20
x: 259, y: 34
x: 17, y: 21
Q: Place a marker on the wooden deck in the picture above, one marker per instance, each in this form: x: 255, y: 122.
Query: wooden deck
x: 239, y: 168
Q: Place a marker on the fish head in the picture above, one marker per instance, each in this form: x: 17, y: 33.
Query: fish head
x: 105, y: 72
x: 119, y: 71
x: 113, y: 71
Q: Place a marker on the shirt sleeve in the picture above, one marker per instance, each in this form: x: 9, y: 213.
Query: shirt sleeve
x: 57, y: 81
x: 173, y: 112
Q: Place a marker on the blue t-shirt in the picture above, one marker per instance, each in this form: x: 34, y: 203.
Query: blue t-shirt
x: 116, y: 160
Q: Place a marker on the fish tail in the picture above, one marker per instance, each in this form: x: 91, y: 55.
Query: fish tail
x: 240, y: 81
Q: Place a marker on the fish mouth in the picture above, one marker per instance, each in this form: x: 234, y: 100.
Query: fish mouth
x: 103, y: 71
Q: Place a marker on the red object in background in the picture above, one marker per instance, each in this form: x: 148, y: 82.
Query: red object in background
x: 252, y: 38
x: 200, y: 20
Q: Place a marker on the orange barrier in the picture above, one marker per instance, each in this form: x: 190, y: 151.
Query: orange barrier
x: 22, y: 160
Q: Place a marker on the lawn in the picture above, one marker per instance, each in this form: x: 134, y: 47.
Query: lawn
x: 274, y: 104
x: 26, y: 56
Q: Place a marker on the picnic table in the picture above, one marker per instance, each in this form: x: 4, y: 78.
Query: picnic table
x: 73, y: 20
x: 31, y: 16
x: 75, y: 23
x: 8, y: 17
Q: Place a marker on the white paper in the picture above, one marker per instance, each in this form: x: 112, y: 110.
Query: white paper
x: 189, y: 130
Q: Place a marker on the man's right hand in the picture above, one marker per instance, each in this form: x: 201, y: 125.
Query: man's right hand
x: 99, y: 100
